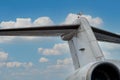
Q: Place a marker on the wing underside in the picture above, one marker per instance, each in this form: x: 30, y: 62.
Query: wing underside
x: 59, y: 30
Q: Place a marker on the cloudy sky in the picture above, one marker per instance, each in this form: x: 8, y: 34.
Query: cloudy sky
x: 48, y: 58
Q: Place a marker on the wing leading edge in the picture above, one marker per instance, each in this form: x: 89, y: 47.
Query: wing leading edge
x: 59, y: 30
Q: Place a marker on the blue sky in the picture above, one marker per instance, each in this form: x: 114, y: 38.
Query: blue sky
x: 24, y: 58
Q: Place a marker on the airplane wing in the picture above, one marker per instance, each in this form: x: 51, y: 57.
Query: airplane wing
x: 102, y: 35
x: 59, y: 30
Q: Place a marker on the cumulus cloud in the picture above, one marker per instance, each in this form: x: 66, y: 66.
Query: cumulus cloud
x: 4, y: 39
x: 43, y: 60
x: 26, y: 22
x: 65, y: 61
x: 43, y: 21
x: 7, y: 24
x: 16, y: 64
x: 23, y: 22
x: 94, y: 21
x: 57, y: 49
x: 20, y: 22
x: 62, y: 64
x: 109, y: 48
x: 3, y: 56
x: 70, y: 18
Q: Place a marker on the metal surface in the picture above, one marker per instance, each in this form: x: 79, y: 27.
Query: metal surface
x: 40, y: 31
x: 90, y: 70
x: 84, y: 38
x: 106, y: 36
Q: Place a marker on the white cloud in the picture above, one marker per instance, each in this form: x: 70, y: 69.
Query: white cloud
x: 51, y: 72
x: 70, y: 18
x: 62, y: 64
x: 3, y: 56
x: 4, y: 39
x: 109, y: 46
x: 94, y: 21
x: 57, y: 49
x: 7, y: 24
x: 43, y: 21
x: 20, y: 22
x: 43, y: 60
x: 16, y: 64
x: 65, y: 61
x: 23, y: 22
x: 13, y: 64
x: 26, y: 22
